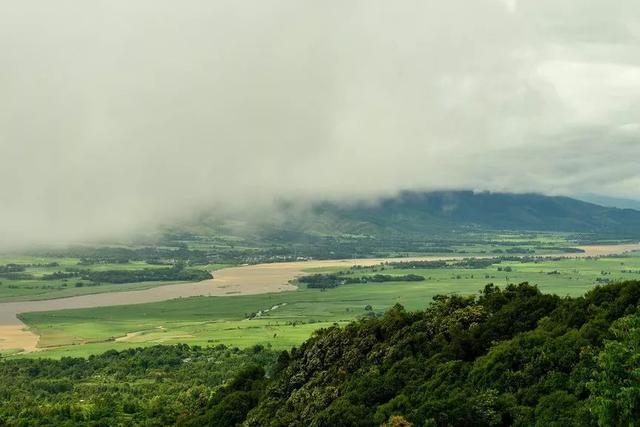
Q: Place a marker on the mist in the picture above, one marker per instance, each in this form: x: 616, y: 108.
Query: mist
x: 119, y: 116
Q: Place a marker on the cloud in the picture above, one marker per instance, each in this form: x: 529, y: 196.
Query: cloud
x: 116, y: 116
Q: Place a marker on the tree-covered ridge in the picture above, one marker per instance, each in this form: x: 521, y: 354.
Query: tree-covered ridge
x: 509, y: 357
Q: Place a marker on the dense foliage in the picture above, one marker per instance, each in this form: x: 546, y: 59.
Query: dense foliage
x: 175, y: 273
x: 509, y: 357
x: 118, y: 254
x: 324, y: 281
x: 466, y: 263
x: 11, y: 268
x: 155, y: 386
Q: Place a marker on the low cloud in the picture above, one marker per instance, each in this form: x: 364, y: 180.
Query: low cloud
x: 116, y: 116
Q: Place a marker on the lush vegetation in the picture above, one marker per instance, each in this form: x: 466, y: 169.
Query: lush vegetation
x: 161, y: 385
x: 82, y: 270
x: 514, y: 354
x: 326, y: 281
x: 176, y: 273
x: 511, y: 356
x: 508, y: 356
x: 33, y: 278
x: 467, y: 263
x: 124, y: 255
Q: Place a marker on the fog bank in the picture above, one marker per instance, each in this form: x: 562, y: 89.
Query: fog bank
x: 116, y: 116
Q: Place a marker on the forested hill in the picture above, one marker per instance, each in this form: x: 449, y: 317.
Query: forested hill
x: 509, y: 357
x: 410, y: 216
x: 414, y: 212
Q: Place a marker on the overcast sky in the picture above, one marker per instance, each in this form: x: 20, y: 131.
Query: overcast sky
x: 118, y: 114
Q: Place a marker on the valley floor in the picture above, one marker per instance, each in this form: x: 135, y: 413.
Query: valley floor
x: 252, y: 312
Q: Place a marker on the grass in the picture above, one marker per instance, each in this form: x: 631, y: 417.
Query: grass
x: 31, y: 290
x: 213, y: 320
x: 38, y: 289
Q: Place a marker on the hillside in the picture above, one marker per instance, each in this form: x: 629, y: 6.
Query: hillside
x: 420, y: 212
x: 416, y: 222
x: 511, y: 356
x: 412, y: 215
x: 616, y: 202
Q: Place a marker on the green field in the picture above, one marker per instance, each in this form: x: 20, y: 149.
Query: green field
x: 232, y: 320
x: 207, y: 253
x: 37, y: 287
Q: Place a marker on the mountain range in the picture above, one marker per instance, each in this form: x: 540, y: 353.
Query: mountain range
x: 411, y: 216
x: 426, y: 212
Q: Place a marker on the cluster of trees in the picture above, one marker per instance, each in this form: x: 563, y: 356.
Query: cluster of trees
x: 466, y: 263
x: 123, y: 255
x: 176, y: 273
x: 14, y: 272
x: 470, y: 263
x: 564, y: 249
x: 20, y: 268
x: 155, y: 386
x: 511, y: 356
x: 11, y: 268
x: 326, y: 281
x: 61, y: 275
x: 515, y: 250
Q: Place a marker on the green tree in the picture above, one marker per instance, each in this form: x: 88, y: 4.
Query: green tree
x: 615, y: 386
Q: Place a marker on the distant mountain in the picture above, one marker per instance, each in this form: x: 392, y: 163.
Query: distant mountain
x: 417, y: 212
x: 403, y: 221
x: 614, y: 202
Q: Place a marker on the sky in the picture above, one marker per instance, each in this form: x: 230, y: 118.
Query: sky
x: 119, y: 115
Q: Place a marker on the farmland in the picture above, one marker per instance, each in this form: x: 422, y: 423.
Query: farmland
x: 285, y: 319
x: 28, y: 278
x: 60, y: 273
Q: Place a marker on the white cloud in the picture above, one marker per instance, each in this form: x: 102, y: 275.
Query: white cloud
x: 116, y: 115
x: 591, y: 92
